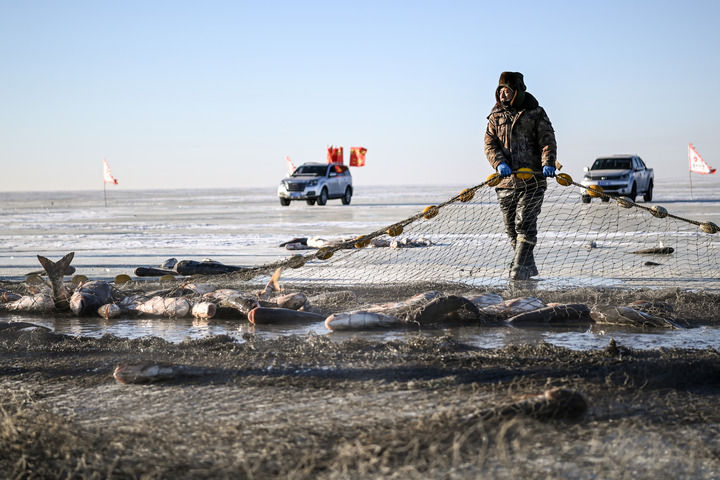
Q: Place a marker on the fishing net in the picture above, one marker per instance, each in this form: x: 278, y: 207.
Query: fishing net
x: 610, y: 242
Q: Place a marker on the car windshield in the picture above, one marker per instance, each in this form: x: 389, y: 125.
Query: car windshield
x: 612, y: 164
x: 310, y: 170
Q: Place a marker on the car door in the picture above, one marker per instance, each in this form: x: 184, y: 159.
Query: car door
x: 641, y: 174
x: 332, y: 181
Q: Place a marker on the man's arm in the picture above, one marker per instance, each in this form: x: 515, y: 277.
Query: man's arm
x: 546, y: 140
x: 494, y: 150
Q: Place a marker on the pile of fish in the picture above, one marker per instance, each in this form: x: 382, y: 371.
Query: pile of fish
x: 272, y: 305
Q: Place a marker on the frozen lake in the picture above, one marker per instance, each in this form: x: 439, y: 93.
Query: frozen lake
x: 245, y: 227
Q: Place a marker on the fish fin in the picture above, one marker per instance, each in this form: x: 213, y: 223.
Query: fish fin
x: 275, y: 279
x: 273, y: 285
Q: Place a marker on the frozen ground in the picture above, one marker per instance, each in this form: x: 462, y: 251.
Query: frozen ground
x: 245, y: 227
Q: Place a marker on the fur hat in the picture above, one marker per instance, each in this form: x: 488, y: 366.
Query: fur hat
x: 514, y: 81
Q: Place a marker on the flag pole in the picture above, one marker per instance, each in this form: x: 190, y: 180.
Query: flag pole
x: 105, y: 192
x: 691, y: 192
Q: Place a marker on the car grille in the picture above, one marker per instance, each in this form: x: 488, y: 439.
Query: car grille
x: 295, y: 187
x: 605, y: 177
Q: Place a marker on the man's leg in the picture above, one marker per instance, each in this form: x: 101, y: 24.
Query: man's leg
x: 528, y: 209
x: 507, y: 200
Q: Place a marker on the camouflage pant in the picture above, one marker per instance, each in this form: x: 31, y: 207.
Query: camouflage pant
x: 520, y: 208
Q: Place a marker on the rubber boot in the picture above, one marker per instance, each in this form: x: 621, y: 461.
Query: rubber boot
x: 524, y: 263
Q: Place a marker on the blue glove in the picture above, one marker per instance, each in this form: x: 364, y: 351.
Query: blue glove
x: 504, y: 170
x: 548, y: 171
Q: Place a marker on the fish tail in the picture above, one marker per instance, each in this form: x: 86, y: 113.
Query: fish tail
x: 56, y: 270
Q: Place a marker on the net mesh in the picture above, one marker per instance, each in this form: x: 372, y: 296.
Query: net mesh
x: 611, y: 242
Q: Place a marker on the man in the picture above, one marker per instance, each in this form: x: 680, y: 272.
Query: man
x: 519, y: 135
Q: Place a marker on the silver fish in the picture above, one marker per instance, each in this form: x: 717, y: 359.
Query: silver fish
x: 90, y: 296
x: 629, y: 317
x: 37, y: 303
x: 165, y: 307
x: 571, y: 314
x: 204, y: 310
x: 109, y: 311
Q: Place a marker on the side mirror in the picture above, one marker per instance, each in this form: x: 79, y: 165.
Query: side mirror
x: 332, y: 174
x: 586, y: 169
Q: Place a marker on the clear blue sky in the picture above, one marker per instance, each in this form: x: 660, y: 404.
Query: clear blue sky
x: 200, y: 94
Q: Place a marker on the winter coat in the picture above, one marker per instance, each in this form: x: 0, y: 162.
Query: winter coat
x: 521, y: 137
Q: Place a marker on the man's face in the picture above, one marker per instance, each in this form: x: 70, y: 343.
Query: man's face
x: 506, y: 95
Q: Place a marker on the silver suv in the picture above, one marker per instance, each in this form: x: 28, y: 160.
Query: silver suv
x: 317, y: 182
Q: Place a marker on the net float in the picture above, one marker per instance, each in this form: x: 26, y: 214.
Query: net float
x: 524, y: 173
x: 466, y: 195
x: 563, y: 179
x: 430, y: 212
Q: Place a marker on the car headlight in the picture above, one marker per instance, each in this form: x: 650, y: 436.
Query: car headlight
x: 312, y: 183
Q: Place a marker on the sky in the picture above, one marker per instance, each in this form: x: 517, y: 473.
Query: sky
x: 179, y: 94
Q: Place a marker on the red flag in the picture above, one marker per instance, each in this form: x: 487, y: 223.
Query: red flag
x: 107, y: 176
x: 335, y: 155
x: 357, y: 156
x: 290, y: 165
x: 697, y: 164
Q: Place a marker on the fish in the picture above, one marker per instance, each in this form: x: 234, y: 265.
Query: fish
x: 90, y: 296
x: 298, y: 246
x: 485, y: 300
x: 265, y: 315
x: 199, y: 288
x: 386, y: 315
x: 169, y: 264
x: 153, y: 372
x: 8, y: 296
x: 402, y: 310
x: 564, y: 314
x: 513, y: 306
x: 55, y: 272
x: 206, y: 267
x: 655, y: 251
x: 109, y: 310
x: 204, y: 310
x: 298, y: 240
x: 630, y: 317
x: 232, y: 302
x: 153, y: 272
x: 165, y: 307
x: 446, y: 309
x: 293, y: 301
x: 360, y: 320
x: 42, y: 302
x: 410, y: 243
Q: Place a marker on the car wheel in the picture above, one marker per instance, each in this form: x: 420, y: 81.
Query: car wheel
x: 284, y: 201
x: 585, y: 199
x: 648, y: 195
x: 322, y: 199
x: 310, y: 201
x: 348, y: 195
x: 633, y: 192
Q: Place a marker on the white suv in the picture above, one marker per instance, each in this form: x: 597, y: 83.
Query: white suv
x: 317, y: 182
